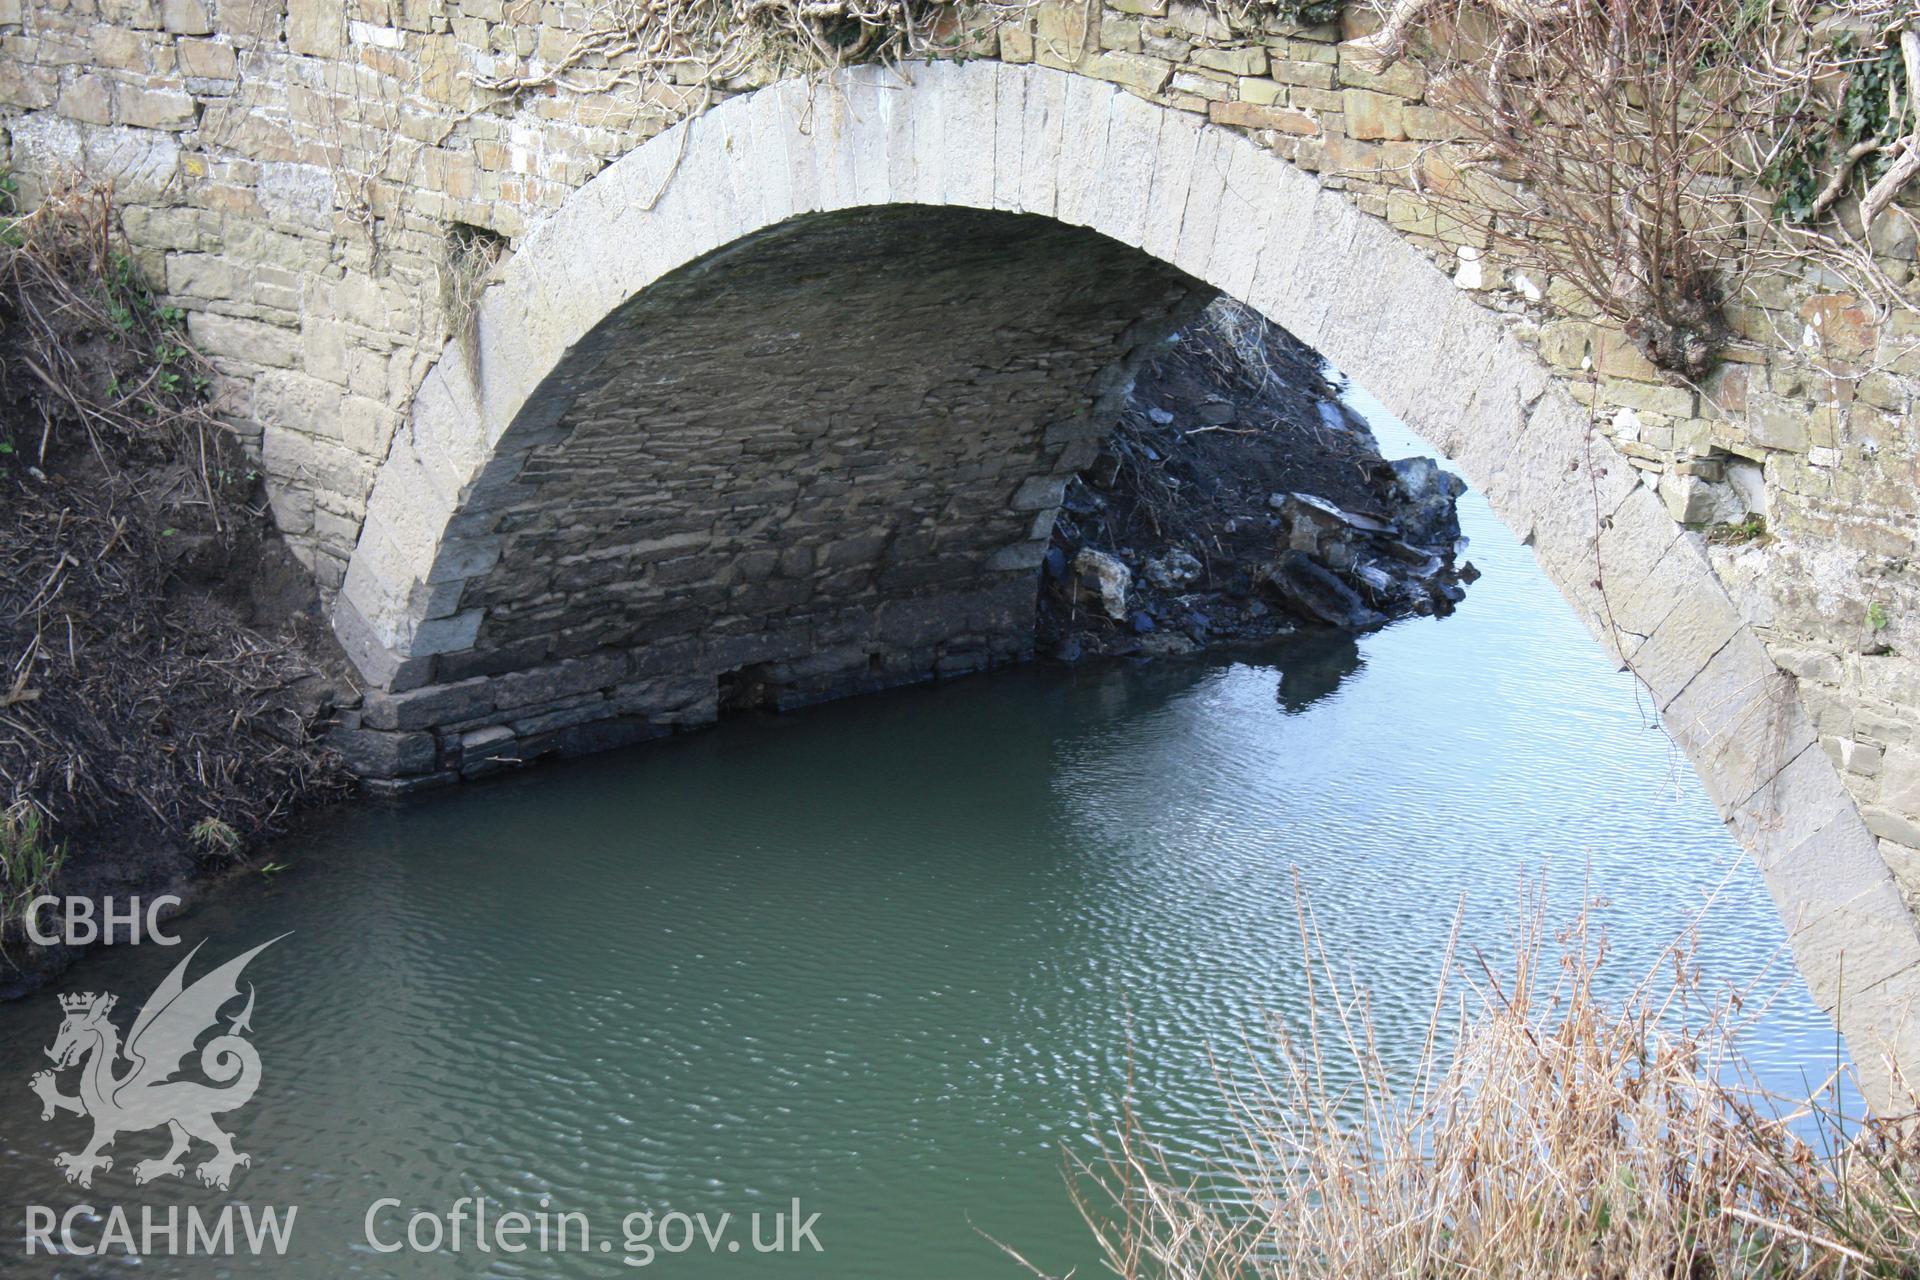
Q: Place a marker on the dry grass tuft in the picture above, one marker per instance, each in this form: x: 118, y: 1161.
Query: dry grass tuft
x: 1545, y: 1133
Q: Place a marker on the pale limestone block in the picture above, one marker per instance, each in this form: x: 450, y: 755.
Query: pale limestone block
x: 378, y: 607
x: 1882, y: 1028
x: 1133, y: 134
x: 286, y: 457
x: 1493, y: 430
x: 1083, y: 149
x: 1701, y: 621
x: 1322, y: 305
x: 1174, y: 146
x: 872, y: 95
x: 1557, y: 488
x: 292, y: 506
x: 450, y: 439
x: 1900, y: 789
x: 576, y: 290
x: 1790, y: 804
x: 1766, y: 732
x: 1634, y: 539
x: 450, y: 384
x: 969, y: 146
x: 517, y: 348
x: 930, y: 124
x: 1286, y: 258
x: 1453, y: 338
x: 794, y: 103
x: 1009, y: 134
x: 1560, y: 494
x: 710, y: 207
x: 1045, y: 136
x: 381, y: 576
x: 719, y: 144
x: 834, y: 181
x: 45, y: 143
x: 1349, y: 309
x: 769, y: 131
x: 409, y: 506
x: 1410, y: 368
x: 904, y: 180
x: 1204, y: 192
x: 517, y: 339
x: 1848, y: 925
x: 1509, y: 385
x: 697, y: 212
x: 297, y: 402
x: 1737, y: 693
x: 1241, y: 229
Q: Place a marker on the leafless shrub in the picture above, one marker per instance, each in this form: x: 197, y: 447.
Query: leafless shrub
x: 1651, y: 154
x: 1598, y: 151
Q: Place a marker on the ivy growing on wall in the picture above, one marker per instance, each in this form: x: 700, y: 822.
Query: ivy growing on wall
x: 1851, y: 142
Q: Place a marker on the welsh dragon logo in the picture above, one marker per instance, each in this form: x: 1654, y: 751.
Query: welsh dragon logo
x: 145, y: 1095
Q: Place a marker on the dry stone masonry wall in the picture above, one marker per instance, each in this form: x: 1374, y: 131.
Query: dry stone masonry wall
x: 823, y: 460
x: 299, y: 173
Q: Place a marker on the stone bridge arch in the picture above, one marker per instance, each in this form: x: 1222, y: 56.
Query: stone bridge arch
x: 1174, y: 201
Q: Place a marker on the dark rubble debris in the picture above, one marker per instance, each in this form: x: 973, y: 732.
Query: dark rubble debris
x: 1239, y: 501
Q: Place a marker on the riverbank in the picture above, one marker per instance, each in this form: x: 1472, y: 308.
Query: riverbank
x: 168, y: 670
x: 1239, y: 501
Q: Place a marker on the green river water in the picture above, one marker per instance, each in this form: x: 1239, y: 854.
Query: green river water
x: 893, y: 957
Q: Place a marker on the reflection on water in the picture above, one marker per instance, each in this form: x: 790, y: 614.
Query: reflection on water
x: 1311, y: 666
x: 887, y: 956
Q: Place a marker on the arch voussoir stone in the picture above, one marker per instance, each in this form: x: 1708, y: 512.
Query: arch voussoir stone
x: 532, y: 577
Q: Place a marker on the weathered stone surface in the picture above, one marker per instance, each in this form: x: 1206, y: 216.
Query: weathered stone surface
x: 1104, y: 581
x: 317, y: 27
x: 375, y: 754
x: 546, y: 684
x: 840, y: 545
x: 1168, y: 131
x: 1252, y: 115
x: 186, y: 17
x: 428, y: 707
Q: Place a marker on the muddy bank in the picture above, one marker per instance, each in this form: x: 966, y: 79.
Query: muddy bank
x: 167, y: 670
x: 1238, y: 502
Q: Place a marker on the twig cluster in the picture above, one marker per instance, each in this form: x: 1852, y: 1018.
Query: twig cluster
x: 1637, y: 150
x: 713, y: 43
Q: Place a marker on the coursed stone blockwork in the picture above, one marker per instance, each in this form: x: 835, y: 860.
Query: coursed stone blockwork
x: 291, y: 169
x: 824, y: 459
